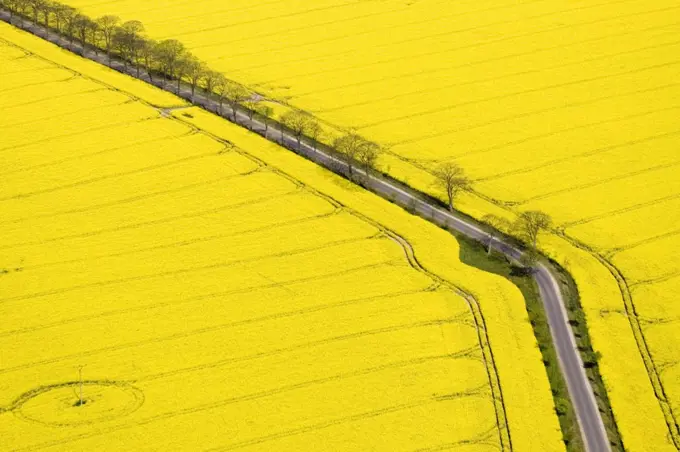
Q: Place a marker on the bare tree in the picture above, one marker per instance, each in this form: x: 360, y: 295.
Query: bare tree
x: 299, y: 122
x: 349, y: 146
x: 498, y: 224
x: 451, y: 179
x: 108, y: 25
x: 530, y: 224
x: 369, y: 152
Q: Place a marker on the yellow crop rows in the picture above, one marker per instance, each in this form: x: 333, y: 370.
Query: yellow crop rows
x: 217, y: 292
x: 566, y: 106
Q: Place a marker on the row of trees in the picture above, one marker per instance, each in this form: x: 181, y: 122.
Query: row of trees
x: 451, y: 180
x: 169, y: 60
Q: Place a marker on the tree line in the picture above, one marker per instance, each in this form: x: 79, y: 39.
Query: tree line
x: 169, y: 61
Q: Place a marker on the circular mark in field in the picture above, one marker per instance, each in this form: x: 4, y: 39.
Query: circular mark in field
x: 60, y: 405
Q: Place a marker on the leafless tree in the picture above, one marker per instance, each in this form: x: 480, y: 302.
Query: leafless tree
x: 451, y: 179
x: 299, y: 122
x: 530, y: 224
x: 108, y: 25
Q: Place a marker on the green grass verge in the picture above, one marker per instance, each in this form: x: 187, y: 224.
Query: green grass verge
x: 475, y: 254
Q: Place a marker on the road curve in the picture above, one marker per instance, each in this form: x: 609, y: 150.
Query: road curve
x: 581, y: 393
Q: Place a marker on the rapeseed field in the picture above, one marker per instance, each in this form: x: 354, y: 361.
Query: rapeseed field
x: 569, y: 107
x: 172, y: 282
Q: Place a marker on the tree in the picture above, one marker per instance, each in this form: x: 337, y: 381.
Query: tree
x: 70, y: 17
x: 499, y: 224
x: 210, y: 81
x: 349, y: 146
x: 266, y: 113
x: 451, y: 179
x: 234, y: 94
x: 132, y: 35
x: 83, y: 25
x: 314, y: 132
x: 168, y: 54
x: 108, y: 25
x: 251, y: 106
x: 36, y: 7
x: 196, y: 70
x: 299, y: 122
x: 368, y: 156
x: 530, y: 224
x: 220, y: 83
x: 20, y: 7
x: 146, y: 56
x: 62, y: 13
x: 12, y: 6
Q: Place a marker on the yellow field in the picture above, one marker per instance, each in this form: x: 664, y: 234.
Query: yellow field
x: 569, y: 106
x: 220, y: 293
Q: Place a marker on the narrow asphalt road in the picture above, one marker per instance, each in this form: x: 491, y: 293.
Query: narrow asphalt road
x: 581, y: 393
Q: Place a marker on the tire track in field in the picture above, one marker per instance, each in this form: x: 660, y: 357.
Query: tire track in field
x: 111, y: 125
x: 189, y: 241
x: 150, y: 222
x: 383, y: 79
x: 438, y: 34
x: 247, y: 290
x: 86, y: 155
x: 225, y: 326
x: 643, y: 347
x: 405, y: 93
x: 182, y: 271
x: 446, y: 108
x: 218, y: 404
x: 120, y: 174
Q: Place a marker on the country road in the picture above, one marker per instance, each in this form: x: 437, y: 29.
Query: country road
x: 581, y: 393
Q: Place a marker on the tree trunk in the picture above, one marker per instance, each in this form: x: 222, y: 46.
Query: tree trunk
x: 179, y: 82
